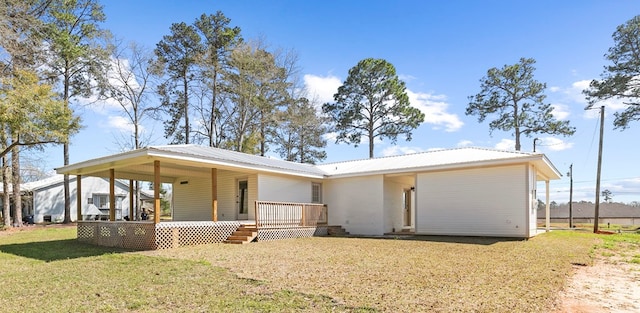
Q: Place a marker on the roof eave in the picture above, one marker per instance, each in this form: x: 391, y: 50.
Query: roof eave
x: 456, y: 166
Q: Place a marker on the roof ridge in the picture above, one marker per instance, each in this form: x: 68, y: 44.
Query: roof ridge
x: 426, y: 152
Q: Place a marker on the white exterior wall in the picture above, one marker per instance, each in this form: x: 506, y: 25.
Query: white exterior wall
x: 356, y: 203
x: 474, y: 202
x: 192, y: 201
x: 49, y: 200
x: 394, y: 213
x: 284, y: 188
x: 533, y: 200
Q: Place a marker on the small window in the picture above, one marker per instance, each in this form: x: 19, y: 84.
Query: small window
x: 316, y: 192
x: 101, y: 201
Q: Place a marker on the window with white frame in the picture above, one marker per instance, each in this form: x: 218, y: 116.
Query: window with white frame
x: 316, y: 192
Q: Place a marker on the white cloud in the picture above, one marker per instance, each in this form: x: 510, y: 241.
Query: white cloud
x: 554, y: 144
x: 574, y: 93
x: 506, y: 144
x: 330, y: 137
x: 554, y: 89
x: 406, y: 78
x: 321, y: 88
x: 434, y: 108
x: 560, y: 111
x: 399, y: 150
x: 464, y: 143
x: 120, y: 123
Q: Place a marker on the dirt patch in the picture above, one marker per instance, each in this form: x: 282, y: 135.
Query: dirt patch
x: 607, y: 286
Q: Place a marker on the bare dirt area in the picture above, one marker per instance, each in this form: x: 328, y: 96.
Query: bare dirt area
x: 608, y: 285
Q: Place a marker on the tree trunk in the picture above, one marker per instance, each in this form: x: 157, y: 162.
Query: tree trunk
x: 17, y: 198
x: 6, y: 203
x: 371, y: 143
x: 185, y: 107
x: 516, y: 124
x: 67, y: 200
x: 212, y: 122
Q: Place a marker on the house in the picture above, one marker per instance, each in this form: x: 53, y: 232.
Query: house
x: 464, y: 191
x: 584, y: 212
x: 44, y: 199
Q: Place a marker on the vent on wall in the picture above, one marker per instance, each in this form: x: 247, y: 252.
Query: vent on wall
x: 184, y: 182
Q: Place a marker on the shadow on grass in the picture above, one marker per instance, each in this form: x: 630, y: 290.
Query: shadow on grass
x: 55, y: 250
x: 450, y: 239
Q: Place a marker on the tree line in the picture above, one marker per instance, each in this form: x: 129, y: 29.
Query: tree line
x: 206, y: 83
x: 209, y: 85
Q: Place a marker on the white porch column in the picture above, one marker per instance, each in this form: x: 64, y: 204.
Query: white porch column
x: 547, y: 211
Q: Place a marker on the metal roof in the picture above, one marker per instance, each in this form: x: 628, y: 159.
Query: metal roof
x: 180, y: 159
x: 239, y: 158
x: 439, y: 160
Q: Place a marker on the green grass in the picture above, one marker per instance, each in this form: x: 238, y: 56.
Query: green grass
x: 49, y: 271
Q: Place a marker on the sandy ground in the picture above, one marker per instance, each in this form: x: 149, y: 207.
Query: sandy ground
x: 608, y: 285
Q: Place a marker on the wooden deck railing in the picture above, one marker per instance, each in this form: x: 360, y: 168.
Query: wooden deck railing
x: 287, y: 214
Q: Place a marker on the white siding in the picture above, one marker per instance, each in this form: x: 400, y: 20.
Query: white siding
x: 356, y: 204
x: 227, y: 189
x: 284, y: 188
x: 394, y: 213
x: 228, y: 194
x: 192, y: 199
x: 49, y: 200
x: 533, y: 201
x: 475, y: 202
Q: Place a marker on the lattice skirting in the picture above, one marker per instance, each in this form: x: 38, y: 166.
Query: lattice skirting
x: 294, y: 232
x: 149, y: 236
x: 128, y: 235
x: 177, y: 234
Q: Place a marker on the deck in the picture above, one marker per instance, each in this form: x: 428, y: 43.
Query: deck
x: 274, y: 221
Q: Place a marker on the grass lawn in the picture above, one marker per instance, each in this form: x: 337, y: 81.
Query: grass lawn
x: 47, y: 270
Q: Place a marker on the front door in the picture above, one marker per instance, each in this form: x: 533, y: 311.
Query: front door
x: 407, y: 207
x: 243, y: 200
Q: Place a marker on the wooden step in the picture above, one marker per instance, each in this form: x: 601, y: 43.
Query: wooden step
x: 234, y: 236
x: 236, y: 242
x: 336, y: 231
x: 244, y: 234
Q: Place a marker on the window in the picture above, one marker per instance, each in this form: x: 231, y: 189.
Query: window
x: 101, y: 201
x: 316, y: 192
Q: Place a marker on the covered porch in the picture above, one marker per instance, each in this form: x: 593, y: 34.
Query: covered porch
x: 276, y: 220
x: 213, y: 195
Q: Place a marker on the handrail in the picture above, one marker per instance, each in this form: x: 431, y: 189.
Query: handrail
x: 270, y: 214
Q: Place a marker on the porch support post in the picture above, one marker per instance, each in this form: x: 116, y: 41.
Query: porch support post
x: 156, y: 192
x: 547, y: 211
x: 112, y: 195
x: 78, y: 198
x: 214, y: 194
x: 131, y: 195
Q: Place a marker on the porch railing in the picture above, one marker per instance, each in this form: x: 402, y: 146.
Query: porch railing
x: 288, y: 214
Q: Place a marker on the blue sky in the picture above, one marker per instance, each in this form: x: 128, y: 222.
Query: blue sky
x: 440, y: 49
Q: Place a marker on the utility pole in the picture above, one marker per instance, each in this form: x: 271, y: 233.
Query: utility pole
x: 597, y: 208
x: 570, y: 196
